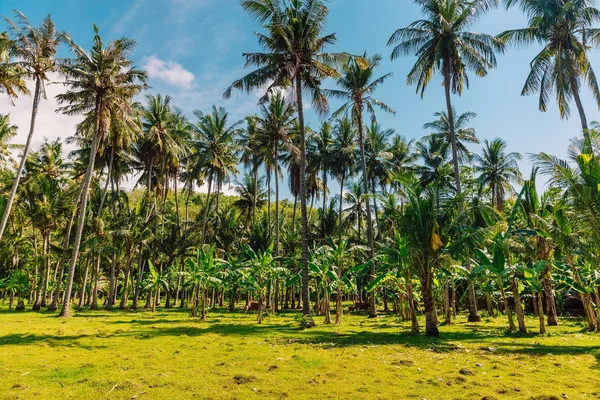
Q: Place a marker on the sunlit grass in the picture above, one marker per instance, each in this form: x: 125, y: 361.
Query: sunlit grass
x: 167, y: 355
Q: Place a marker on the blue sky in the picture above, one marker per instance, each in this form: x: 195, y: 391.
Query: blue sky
x: 193, y: 49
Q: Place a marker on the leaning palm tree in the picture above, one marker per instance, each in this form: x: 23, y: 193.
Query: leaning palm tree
x: 293, y: 56
x: 357, y: 86
x: 443, y: 44
x: 565, y: 30
x: 103, y: 80
x: 34, y: 49
x: 497, y: 169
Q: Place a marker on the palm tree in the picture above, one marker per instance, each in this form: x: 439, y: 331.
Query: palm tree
x: 343, y: 152
x: 497, y: 169
x: 34, y: 48
x: 462, y: 133
x: 214, y: 151
x: 565, y: 30
x: 293, y: 56
x: 357, y: 86
x: 97, y: 82
x: 321, y: 143
x: 7, y: 132
x: 11, y: 76
x: 442, y: 44
x: 251, y: 193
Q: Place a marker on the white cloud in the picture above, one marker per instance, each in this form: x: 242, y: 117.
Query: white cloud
x: 169, y: 72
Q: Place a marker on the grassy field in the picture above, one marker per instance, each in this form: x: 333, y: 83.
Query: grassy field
x: 167, y: 355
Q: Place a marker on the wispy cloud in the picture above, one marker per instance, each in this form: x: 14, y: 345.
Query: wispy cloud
x: 169, y: 72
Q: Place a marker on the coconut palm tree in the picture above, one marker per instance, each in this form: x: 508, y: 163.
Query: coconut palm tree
x: 443, y: 44
x: 357, y: 86
x: 464, y: 135
x: 103, y: 80
x: 293, y: 56
x: 565, y: 29
x: 321, y: 142
x: 213, y: 151
x: 497, y: 169
x: 34, y: 49
x: 343, y: 151
x: 252, y: 195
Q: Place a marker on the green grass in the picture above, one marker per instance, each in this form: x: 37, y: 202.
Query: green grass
x: 167, y: 355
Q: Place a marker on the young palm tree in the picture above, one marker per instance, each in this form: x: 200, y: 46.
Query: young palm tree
x: 293, y: 56
x: 35, y: 49
x: 357, y: 86
x: 443, y: 45
x: 497, y: 169
x: 565, y: 29
x: 103, y: 80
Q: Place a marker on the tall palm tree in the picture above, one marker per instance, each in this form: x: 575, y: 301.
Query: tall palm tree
x: 497, y: 169
x: 443, y: 44
x: 565, y: 30
x: 343, y: 153
x: 252, y: 193
x: 357, y: 86
x: 321, y: 143
x: 378, y: 162
x: 293, y: 56
x: 34, y: 49
x: 103, y: 80
x: 214, y: 151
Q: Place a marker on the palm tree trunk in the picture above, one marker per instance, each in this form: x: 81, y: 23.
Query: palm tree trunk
x: 540, y: 307
x: 15, y: 185
x: 414, y: 323
x: 294, y: 213
x: 375, y: 209
x: 511, y: 322
x: 550, y: 303
x: 518, y: 306
x: 138, y: 279
x: 123, y: 303
x: 37, y: 305
x: 111, y: 284
x: 428, y: 301
x: 84, y: 283
x: 365, y: 183
x: 94, y: 305
x: 206, y: 207
x: 304, y: 217
x: 61, y: 267
x: 582, y: 117
x: 87, y: 180
x: 269, y: 203
x: 276, y: 294
x: 340, y: 208
x: 324, y: 203
x: 108, y: 180
x: 473, y: 314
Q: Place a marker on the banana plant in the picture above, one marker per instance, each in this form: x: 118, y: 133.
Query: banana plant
x: 202, y: 273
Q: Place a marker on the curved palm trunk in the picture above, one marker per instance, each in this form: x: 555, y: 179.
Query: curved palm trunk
x: 87, y: 180
x: 15, y: 185
x: 365, y: 183
x: 473, y: 314
x: 304, y: 217
x: 582, y: 117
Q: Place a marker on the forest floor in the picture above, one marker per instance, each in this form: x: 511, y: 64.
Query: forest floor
x: 168, y: 355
